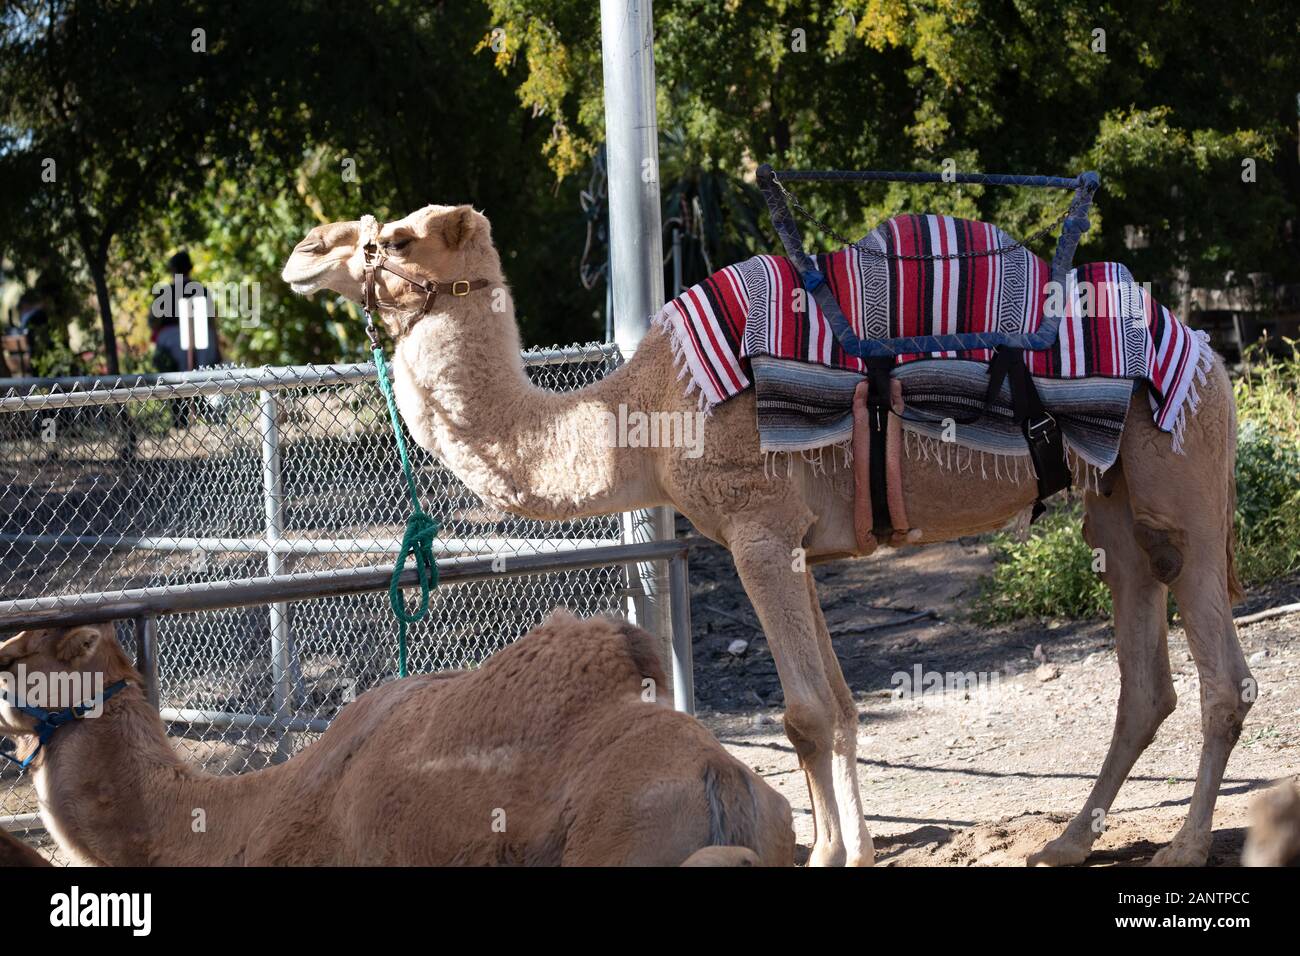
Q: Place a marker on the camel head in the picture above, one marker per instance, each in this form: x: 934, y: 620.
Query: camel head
x: 440, y: 243
x: 57, y: 668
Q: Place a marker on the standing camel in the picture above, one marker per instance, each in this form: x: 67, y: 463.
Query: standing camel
x: 1165, y: 519
x: 555, y: 751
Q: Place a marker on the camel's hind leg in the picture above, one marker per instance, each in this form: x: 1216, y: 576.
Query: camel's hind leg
x: 818, y: 706
x: 1183, y: 510
x: 1146, y: 689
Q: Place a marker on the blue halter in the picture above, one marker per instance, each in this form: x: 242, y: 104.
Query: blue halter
x: 48, y: 721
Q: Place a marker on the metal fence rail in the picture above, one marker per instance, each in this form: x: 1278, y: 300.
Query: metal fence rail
x: 239, y: 523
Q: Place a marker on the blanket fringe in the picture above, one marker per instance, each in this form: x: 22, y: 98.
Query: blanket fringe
x: 955, y: 457
x: 961, y: 459
x: 1204, y: 360
x: 835, y: 457
x: 692, y: 387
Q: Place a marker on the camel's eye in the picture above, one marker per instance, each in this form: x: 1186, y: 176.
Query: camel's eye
x: 396, y: 245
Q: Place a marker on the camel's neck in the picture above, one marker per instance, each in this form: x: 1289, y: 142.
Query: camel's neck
x: 114, y: 793
x: 465, y: 395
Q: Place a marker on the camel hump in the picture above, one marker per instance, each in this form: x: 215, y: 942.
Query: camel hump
x: 596, y: 652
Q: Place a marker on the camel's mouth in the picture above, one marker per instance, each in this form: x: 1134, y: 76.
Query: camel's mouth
x: 307, y: 271
x: 304, y: 281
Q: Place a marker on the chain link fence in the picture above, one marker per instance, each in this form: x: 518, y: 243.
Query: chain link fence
x: 236, y: 473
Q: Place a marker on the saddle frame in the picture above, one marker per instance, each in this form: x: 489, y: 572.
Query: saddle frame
x: 1073, y: 227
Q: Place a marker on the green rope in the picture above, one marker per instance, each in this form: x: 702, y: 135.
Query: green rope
x: 418, y: 537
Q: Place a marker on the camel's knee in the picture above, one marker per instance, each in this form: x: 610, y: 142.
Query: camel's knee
x: 1224, y: 706
x: 1141, y: 715
x: 1164, y: 550
x: 809, y: 727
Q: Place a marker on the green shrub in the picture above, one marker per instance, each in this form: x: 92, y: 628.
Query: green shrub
x: 1268, y: 465
x: 1048, y: 573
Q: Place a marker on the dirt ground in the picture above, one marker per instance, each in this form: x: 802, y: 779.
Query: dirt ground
x: 987, y: 776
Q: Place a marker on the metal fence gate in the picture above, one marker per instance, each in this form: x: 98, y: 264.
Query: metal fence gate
x: 182, y: 484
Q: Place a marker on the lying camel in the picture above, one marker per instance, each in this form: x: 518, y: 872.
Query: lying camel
x: 1162, y: 519
x: 1274, y: 837
x: 555, y: 751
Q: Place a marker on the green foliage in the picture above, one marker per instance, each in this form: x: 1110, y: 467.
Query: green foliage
x: 1268, y: 465
x: 1167, y: 111
x: 235, y: 152
x: 1048, y: 573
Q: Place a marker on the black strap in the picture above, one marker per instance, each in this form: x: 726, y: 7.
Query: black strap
x: 878, y: 406
x: 1041, y: 430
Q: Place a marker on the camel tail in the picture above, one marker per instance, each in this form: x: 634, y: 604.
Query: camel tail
x: 749, y: 824
x: 1235, y: 593
x: 733, y: 806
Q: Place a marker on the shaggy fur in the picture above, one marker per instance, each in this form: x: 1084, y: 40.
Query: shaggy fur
x: 464, y: 395
x: 1274, y: 837
x: 550, y: 753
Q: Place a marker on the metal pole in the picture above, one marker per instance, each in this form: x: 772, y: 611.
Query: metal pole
x: 273, y: 497
x: 635, y: 238
x: 146, y: 656
x: 677, y: 262
x: 683, y: 653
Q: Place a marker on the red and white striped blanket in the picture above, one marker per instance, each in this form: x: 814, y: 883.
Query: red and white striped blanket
x: 1113, y: 328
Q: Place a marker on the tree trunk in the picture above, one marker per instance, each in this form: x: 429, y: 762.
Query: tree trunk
x: 98, y: 272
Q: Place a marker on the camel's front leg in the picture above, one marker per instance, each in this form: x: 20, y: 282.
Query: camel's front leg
x: 844, y: 758
x: 817, y: 702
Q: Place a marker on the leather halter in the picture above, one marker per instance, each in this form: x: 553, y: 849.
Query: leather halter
x: 48, y: 721
x: 376, y: 259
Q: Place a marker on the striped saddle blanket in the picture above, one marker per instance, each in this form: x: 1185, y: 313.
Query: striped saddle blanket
x: 1112, y: 327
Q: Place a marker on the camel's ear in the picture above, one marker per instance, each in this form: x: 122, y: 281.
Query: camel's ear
x: 458, y: 227
x: 75, y: 646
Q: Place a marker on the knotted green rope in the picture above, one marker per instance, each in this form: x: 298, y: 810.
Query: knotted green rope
x: 418, y: 537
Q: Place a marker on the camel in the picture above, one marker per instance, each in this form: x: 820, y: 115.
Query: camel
x: 555, y: 751
x: 1163, y: 519
x: 1274, y: 837
x: 14, y: 852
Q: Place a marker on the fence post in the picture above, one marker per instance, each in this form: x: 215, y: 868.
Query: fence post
x: 273, y: 497
x: 683, y: 651
x: 636, y: 245
x: 146, y: 656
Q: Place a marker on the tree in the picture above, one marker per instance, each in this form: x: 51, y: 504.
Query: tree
x: 1167, y: 102
x: 110, y: 112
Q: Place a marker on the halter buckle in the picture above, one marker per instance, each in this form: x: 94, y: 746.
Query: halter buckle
x: 460, y: 287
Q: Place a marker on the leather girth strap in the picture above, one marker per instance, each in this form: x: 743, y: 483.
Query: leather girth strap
x: 1041, y: 430
x: 878, y: 403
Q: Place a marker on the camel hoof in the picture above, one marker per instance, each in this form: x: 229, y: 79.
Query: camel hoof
x: 1063, y: 851
x: 827, y: 854
x: 865, y: 858
x: 1182, y: 854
